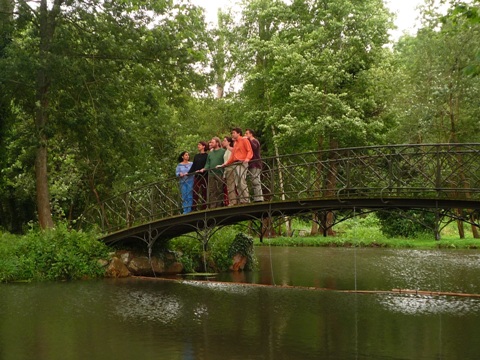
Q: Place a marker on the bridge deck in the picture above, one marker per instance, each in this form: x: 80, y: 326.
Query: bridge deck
x: 428, y: 176
x: 167, y: 228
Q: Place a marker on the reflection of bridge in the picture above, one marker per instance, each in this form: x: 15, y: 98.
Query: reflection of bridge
x: 334, y: 184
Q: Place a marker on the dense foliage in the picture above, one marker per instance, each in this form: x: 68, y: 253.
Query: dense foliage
x: 56, y: 254
x: 242, y: 245
x: 222, y: 247
x: 406, y: 223
x: 101, y: 96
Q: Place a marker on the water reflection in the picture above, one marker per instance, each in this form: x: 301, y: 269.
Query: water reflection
x: 424, y: 305
x: 155, y: 319
x: 218, y: 286
x: 142, y: 305
x: 370, y: 269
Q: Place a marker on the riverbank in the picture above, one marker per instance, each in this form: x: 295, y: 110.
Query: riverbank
x: 366, y: 232
x: 398, y: 243
x: 63, y: 254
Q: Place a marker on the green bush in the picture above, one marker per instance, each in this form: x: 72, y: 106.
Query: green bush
x: 405, y: 223
x: 189, y: 252
x: 219, y: 246
x: 242, y: 244
x: 57, y: 254
x: 222, y: 246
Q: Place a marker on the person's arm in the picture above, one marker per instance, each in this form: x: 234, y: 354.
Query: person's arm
x: 178, y: 170
x: 207, y: 163
x: 248, y: 148
x: 255, y: 144
x: 231, y: 159
x: 194, y: 165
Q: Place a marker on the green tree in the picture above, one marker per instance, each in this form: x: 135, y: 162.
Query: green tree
x: 436, y: 100
x: 307, y: 69
x: 469, y: 13
x: 310, y: 71
x: 436, y: 93
x: 405, y: 223
x: 101, y: 82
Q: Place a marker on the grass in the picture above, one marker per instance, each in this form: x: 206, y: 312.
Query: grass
x: 365, y: 232
x: 382, y: 243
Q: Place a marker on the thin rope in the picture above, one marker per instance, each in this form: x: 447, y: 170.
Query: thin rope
x: 271, y: 262
x: 437, y: 228
x: 439, y: 272
x: 270, y: 243
x: 355, y: 243
x: 205, y: 235
x: 355, y: 277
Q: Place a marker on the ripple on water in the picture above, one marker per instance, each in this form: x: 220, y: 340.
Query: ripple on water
x: 412, y: 304
x: 219, y: 286
x: 434, y: 270
x: 161, y: 307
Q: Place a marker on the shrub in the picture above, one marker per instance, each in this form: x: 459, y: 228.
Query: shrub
x: 221, y: 248
x: 56, y: 254
x: 189, y: 252
x: 406, y: 223
x: 242, y: 244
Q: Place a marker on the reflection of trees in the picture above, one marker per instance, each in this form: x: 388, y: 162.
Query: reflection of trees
x: 206, y: 320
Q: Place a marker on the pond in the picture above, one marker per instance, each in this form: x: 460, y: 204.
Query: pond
x: 309, y: 313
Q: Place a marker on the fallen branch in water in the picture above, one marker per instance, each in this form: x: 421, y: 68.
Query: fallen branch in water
x: 393, y: 291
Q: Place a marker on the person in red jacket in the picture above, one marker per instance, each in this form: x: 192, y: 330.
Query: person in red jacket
x: 242, y: 153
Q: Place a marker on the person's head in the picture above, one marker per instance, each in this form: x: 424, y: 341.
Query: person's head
x: 215, y: 143
x: 184, y: 155
x: 236, y: 133
x: 202, y: 146
x: 249, y: 133
x: 227, y: 141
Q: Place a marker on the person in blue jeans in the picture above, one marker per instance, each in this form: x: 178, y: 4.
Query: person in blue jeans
x: 186, y: 181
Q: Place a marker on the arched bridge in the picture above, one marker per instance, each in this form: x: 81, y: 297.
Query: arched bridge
x: 436, y: 177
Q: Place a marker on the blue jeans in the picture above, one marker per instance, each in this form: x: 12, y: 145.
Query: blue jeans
x: 186, y: 189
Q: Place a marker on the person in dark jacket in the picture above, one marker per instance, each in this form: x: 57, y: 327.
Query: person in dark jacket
x: 201, y: 180
x: 255, y: 166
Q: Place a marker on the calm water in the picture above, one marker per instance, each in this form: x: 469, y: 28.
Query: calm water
x: 155, y: 319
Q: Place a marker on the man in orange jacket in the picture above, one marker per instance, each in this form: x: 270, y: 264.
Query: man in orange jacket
x: 242, y: 153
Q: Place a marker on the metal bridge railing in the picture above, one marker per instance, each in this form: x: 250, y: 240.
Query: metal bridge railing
x: 423, y: 171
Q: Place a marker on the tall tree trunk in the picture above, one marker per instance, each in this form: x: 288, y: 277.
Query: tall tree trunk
x: 219, y: 57
x: 475, y: 233
x: 47, y: 28
x: 460, y: 225
x: 331, y: 184
x: 462, y: 181
x: 43, y: 195
x: 315, y: 228
x: 319, y: 182
x: 6, y: 15
x: 288, y: 223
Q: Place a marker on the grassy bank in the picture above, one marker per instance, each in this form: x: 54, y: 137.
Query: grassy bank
x: 366, y: 232
x: 62, y: 254
x: 400, y: 243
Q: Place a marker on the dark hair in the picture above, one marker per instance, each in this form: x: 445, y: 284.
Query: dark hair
x: 180, y: 158
x: 238, y: 131
x: 204, y: 144
x: 230, y: 140
x: 251, y: 131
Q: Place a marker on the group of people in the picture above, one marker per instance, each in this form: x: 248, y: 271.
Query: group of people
x: 217, y: 176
